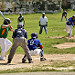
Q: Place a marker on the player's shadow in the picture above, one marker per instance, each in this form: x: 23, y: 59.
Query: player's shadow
x: 61, y: 37
x: 22, y: 63
x: 6, y: 64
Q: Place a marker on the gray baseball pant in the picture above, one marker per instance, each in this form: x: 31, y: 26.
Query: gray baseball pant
x: 19, y: 42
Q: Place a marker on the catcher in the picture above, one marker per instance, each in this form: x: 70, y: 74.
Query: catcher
x: 4, y: 42
x: 33, y: 45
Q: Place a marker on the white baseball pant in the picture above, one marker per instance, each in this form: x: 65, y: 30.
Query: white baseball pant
x: 5, y: 45
x: 35, y: 52
x: 69, y: 29
x: 20, y: 23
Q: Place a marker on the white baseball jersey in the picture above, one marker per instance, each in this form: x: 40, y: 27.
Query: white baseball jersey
x: 43, y: 21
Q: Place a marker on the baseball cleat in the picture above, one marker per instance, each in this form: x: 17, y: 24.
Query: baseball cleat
x: 23, y: 60
x: 42, y: 59
x: 9, y: 61
x: 30, y: 60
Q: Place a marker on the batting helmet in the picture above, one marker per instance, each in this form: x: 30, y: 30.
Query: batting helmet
x: 34, y: 35
x: 7, y: 21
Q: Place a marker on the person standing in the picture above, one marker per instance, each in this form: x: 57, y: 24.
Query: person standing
x: 19, y: 37
x: 35, y: 48
x: 4, y: 42
x: 64, y: 14
x: 43, y: 22
x: 69, y: 25
x: 21, y: 20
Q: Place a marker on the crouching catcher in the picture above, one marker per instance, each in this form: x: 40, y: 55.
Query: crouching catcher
x: 35, y: 47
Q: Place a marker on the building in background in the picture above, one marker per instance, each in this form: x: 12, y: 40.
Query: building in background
x: 68, y: 4
x: 34, y: 6
x: 30, y: 6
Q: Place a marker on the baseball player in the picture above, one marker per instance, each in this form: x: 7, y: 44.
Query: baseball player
x: 64, y: 14
x: 43, y: 22
x: 19, y: 36
x: 69, y: 25
x: 4, y: 42
x: 21, y: 20
x: 35, y: 47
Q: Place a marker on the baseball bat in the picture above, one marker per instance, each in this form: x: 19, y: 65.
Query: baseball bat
x: 2, y: 14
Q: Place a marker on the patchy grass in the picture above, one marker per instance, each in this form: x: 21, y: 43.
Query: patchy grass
x: 63, y: 64
x: 55, y: 28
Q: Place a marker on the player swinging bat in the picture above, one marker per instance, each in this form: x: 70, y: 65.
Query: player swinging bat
x: 4, y: 42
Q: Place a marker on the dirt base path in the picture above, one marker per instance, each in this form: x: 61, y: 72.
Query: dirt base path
x: 16, y: 62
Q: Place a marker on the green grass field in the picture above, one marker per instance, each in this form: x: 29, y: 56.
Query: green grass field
x: 55, y: 28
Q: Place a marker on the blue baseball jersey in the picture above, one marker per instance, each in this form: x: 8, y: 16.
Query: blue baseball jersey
x: 70, y: 21
x: 64, y: 13
x: 33, y: 44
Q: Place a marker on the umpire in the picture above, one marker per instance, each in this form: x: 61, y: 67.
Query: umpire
x: 19, y: 37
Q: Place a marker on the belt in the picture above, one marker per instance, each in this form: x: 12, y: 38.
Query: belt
x: 20, y: 37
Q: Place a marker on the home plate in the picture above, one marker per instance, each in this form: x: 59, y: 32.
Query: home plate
x: 65, y: 45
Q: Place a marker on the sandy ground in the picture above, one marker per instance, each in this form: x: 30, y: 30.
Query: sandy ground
x: 16, y: 62
x: 59, y: 37
x: 51, y: 58
x: 42, y: 73
x: 66, y: 44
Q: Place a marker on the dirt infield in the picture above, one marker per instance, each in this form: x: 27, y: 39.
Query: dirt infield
x: 65, y: 45
x: 51, y: 58
x: 59, y: 37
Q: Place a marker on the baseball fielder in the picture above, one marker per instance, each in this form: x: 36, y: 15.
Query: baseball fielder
x: 64, y: 14
x: 69, y: 25
x: 21, y: 20
x: 43, y: 23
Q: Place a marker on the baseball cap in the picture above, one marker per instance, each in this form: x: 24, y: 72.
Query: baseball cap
x: 43, y: 13
x: 21, y: 13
